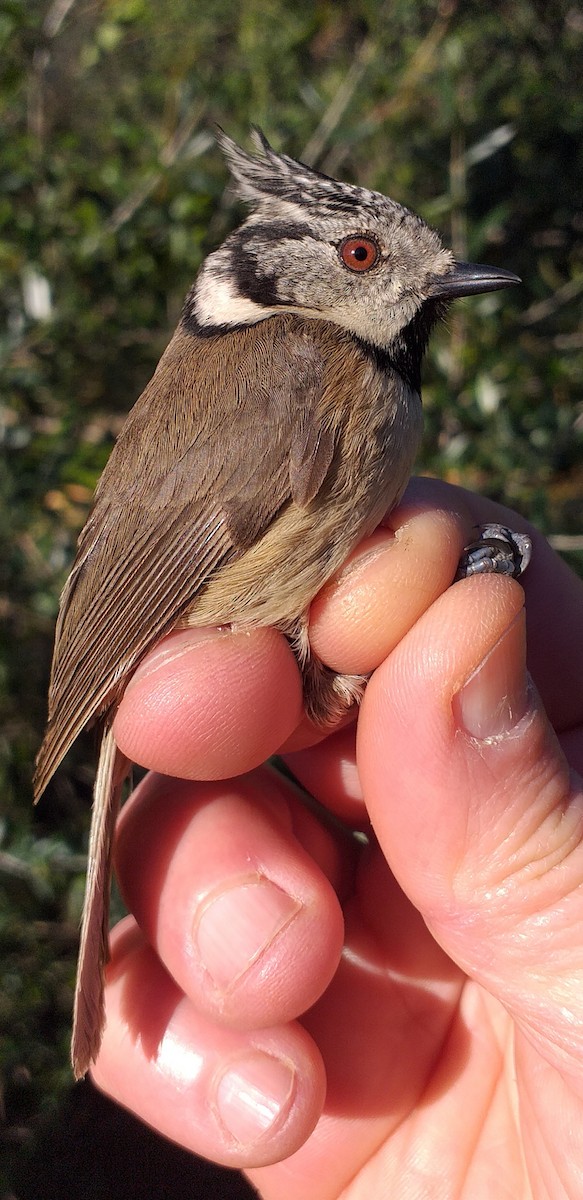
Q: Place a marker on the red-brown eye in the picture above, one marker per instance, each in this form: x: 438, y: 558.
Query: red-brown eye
x: 359, y: 253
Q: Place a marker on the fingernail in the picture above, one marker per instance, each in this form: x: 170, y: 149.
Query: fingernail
x: 235, y: 928
x: 496, y: 696
x: 254, y: 1094
x: 375, y: 545
x: 174, y: 647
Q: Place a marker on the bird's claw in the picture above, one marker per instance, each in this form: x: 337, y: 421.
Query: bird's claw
x: 497, y: 550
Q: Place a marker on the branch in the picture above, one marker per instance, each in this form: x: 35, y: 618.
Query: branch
x: 40, y: 64
x: 339, y: 103
x: 545, y: 308
x: 55, y: 17
x: 167, y: 157
x: 566, y: 541
x: 421, y: 63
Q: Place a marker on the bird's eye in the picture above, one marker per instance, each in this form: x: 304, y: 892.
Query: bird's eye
x: 359, y: 253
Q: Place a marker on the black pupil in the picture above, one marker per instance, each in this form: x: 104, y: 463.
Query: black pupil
x: 360, y: 253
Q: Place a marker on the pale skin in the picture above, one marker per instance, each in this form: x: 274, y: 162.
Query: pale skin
x: 442, y: 1053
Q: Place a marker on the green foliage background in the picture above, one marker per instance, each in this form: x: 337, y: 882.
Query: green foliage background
x: 111, y: 191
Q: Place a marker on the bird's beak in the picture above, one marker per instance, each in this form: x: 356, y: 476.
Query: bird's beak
x: 465, y: 279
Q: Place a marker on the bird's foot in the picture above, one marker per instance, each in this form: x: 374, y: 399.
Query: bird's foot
x: 328, y: 696
x: 496, y: 550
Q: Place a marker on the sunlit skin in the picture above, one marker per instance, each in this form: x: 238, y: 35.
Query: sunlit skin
x: 442, y: 1053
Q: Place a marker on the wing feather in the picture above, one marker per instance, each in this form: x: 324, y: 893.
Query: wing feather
x: 89, y: 1014
x: 199, y: 471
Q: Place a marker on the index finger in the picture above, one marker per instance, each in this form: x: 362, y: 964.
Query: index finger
x: 415, y: 552
x: 554, y: 619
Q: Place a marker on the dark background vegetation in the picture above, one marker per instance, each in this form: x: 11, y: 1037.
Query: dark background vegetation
x: 111, y: 191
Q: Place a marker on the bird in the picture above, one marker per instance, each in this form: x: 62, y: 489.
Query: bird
x: 280, y: 425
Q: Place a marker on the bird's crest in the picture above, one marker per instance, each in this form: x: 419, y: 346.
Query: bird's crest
x: 267, y: 176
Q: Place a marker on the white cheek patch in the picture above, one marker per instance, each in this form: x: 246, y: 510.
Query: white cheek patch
x: 218, y: 303
x: 374, y: 323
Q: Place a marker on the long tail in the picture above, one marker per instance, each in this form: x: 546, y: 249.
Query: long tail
x: 89, y: 1010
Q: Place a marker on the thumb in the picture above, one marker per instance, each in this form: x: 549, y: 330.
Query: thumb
x: 475, y: 809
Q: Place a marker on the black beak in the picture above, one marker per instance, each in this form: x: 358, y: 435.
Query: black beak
x: 465, y: 279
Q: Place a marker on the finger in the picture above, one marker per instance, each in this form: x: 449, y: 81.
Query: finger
x: 388, y: 582
x: 329, y: 773
x: 210, y: 703
x: 361, y: 615
x: 393, y: 577
x: 239, y: 1099
x: 230, y: 899
x: 384, y: 586
x: 474, y: 806
x: 201, y: 705
x: 555, y: 646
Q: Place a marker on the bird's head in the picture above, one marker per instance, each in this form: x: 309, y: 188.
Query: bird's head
x: 326, y: 250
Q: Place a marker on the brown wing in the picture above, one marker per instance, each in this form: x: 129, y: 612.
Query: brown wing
x: 200, y: 469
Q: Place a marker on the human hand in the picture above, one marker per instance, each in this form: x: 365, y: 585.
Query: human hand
x: 442, y: 1050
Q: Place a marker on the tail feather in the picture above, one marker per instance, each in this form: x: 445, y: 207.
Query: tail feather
x: 89, y: 1009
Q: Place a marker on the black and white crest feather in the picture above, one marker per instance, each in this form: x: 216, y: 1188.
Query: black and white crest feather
x: 270, y: 176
